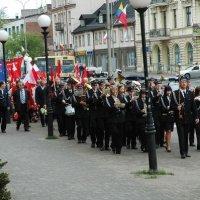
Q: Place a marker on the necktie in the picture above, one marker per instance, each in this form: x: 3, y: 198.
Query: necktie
x: 22, y: 97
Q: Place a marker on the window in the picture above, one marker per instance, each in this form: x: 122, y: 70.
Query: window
x: 22, y: 27
x: 188, y: 16
x: 76, y: 41
x: 131, y: 59
x: 82, y: 22
x: 17, y: 29
x: 88, y: 40
x: 69, y: 17
x: 100, y: 38
x: 9, y: 31
x: 154, y: 21
x: 177, y: 54
x: 13, y: 29
x: 114, y: 36
x: 190, y: 54
x: 83, y: 40
x: 132, y: 33
x: 79, y: 39
x: 100, y: 19
x: 175, y: 18
x: 121, y: 35
x: 105, y: 37
x: 96, y: 38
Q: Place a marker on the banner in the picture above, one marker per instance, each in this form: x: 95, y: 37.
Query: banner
x: 2, y: 76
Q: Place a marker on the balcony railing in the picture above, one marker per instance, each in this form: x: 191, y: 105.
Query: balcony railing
x: 59, y: 26
x: 159, y: 1
x: 164, y: 32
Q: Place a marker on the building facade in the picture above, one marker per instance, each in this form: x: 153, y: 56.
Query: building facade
x: 65, y: 18
x: 173, y: 35
x: 90, y: 40
x: 29, y: 24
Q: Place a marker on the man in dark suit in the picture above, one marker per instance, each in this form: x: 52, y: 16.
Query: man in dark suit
x: 20, y: 98
x: 185, y: 109
x: 3, y: 107
x: 40, y: 98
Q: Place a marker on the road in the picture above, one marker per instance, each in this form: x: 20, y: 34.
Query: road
x: 43, y: 169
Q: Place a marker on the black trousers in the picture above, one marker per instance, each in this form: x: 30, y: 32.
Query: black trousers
x: 3, y: 118
x: 197, y: 127
x: 191, y: 133
x: 70, y: 126
x: 117, y: 136
x: 157, y: 122
x: 131, y: 133
x: 23, y: 117
x: 97, y: 130
x: 141, y: 133
x: 183, y: 134
x: 61, y: 124
x: 82, y: 127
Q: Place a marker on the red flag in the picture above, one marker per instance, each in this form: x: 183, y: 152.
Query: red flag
x: 58, y: 69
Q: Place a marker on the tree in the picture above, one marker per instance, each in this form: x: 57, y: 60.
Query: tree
x: 15, y: 45
x: 4, y: 180
x: 2, y: 17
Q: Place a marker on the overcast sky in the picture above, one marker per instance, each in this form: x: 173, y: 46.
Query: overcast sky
x: 13, y: 7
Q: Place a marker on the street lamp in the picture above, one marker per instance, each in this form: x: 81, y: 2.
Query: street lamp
x: 44, y: 22
x: 3, y: 39
x: 141, y: 7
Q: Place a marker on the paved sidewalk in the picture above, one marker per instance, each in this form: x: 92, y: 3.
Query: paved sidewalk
x: 63, y: 170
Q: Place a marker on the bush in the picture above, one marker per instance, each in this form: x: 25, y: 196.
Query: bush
x: 4, y: 180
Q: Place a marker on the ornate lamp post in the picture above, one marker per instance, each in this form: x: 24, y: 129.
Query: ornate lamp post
x: 44, y: 22
x: 3, y: 39
x: 141, y: 7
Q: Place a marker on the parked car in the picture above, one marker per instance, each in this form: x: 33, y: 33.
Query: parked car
x: 191, y: 72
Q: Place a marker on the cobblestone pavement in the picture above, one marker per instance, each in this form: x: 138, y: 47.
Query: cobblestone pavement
x: 63, y: 170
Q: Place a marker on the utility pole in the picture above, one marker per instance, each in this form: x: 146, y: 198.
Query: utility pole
x: 109, y: 38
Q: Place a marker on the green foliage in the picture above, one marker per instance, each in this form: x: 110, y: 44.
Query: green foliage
x: 2, y: 17
x: 16, y: 45
x: 4, y: 180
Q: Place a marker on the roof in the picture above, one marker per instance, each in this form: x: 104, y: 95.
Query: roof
x: 92, y: 23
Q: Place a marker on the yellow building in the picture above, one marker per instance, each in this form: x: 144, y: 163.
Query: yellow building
x: 173, y: 35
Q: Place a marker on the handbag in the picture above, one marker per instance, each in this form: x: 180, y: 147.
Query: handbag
x: 69, y: 110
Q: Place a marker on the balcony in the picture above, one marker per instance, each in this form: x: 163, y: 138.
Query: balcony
x: 160, y: 2
x: 59, y: 26
x: 159, y: 33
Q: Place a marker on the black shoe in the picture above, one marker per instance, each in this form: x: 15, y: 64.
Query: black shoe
x: 107, y: 149
x: 43, y: 125
x: 3, y: 131
x: 192, y: 145
x: 92, y: 145
x: 83, y: 141
x: 79, y: 142
x: 182, y: 156
x: 198, y: 147
x: 134, y: 147
x: 114, y: 151
x: 27, y: 130
x: 102, y: 148
x: 118, y: 151
x: 128, y: 147
x: 188, y: 156
x: 17, y: 128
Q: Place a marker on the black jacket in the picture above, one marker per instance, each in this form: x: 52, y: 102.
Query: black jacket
x: 40, y: 96
x: 17, y: 100
x: 189, y: 111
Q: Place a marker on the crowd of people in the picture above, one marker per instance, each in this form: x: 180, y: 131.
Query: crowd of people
x: 112, y: 114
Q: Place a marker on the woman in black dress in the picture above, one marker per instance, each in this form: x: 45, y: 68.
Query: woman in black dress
x: 167, y: 116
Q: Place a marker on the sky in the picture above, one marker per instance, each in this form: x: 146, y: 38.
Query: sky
x: 13, y: 7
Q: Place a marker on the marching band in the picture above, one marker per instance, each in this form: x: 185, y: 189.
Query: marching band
x: 114, y: 114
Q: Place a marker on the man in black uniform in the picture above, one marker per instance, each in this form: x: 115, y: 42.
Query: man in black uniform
x: 155, y: 98
x: 3, y: 107
x: 92, y: 99
x: 184, y: 108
